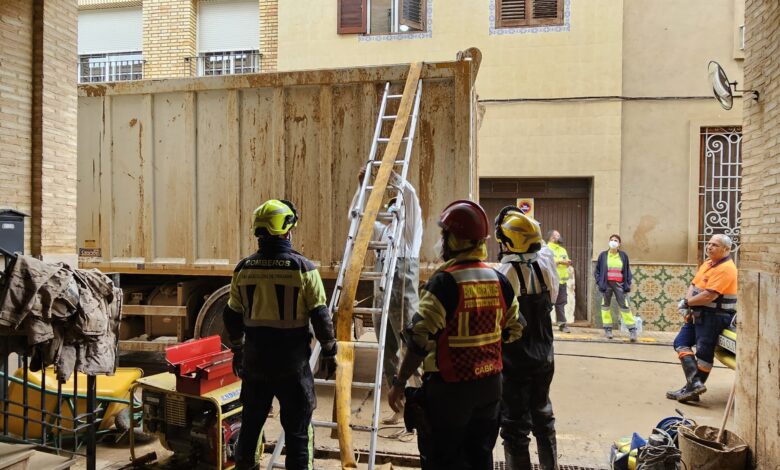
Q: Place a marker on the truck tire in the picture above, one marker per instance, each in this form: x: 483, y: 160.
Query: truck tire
x: 209, y: 320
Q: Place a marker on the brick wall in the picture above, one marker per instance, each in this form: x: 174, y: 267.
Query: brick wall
x: 38, y: 121
x: 16, y: 31
x: 54, y: 109
x: 761, y: 145
x: 757, y: 412
x: 169, y: 38
x: 269, y: 34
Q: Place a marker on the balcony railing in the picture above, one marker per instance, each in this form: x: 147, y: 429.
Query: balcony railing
x: 91, y: 70
x: 225, y: 63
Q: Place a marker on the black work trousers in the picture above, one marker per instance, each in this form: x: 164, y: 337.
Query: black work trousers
x: 464, y: 423
x: 526, y: 408
x: 297, y: 402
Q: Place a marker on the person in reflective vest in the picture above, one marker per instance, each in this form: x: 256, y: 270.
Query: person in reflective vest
x: 562, y: 262
x: 274, y: 295
x: 613, y: 278
x: 709, y: 306
x: 467, y: 311
x: 528, y: 363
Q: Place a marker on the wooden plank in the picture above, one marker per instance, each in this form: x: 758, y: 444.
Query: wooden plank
x: 105, y: 221
x: 146, y: 151
x: 352, y: 276
x: 325, y: 160
x: 155, y: 310
x: 768, y: 385
x: 747, y: 352
x: 384, y: 73
x: 144, y: 346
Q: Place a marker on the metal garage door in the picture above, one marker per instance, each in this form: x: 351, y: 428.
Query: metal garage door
x: 561, y: 204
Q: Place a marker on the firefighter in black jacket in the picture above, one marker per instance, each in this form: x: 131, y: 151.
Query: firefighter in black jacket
x: 467, y: 310
x: 274, y: 294
x: 528, y: 363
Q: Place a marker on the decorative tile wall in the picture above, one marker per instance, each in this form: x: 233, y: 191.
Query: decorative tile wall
x: 654, y: 295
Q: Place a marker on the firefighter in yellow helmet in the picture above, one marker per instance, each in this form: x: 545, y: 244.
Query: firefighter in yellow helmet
x: 528, y: 363
x: 274, y: 294
x: 467, y: 311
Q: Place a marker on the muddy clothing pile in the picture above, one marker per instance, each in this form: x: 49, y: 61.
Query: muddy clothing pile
x: 72, y: 314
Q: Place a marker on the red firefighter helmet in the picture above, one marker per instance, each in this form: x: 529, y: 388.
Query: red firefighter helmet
x: 465, y: 220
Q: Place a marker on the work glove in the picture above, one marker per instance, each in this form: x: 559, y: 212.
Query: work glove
x: 683, y: 307
x: 238, y: 361
x: 328, y: 362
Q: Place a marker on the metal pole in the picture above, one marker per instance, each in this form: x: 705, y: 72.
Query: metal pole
x: 91, y: 428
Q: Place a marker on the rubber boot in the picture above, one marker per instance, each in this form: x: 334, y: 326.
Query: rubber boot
x: 608, y: 333
x: 632, y: 335
x: 703, y: 377
x: 517, y: 459
x: 548, y: 452
x: 693, y: 387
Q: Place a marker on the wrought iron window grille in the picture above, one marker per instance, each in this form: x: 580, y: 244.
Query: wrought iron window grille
x: 95, y: 68
x: 209, y: 64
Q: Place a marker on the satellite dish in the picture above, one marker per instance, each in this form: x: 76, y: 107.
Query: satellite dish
x: 721, y: 86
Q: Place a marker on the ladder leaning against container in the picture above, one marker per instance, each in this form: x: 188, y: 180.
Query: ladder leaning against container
x: 374, y: 186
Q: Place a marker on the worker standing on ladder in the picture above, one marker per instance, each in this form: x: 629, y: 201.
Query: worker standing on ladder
x: 528, y: 363
x: 467, y: 309
x: 404, y: 297
x: 274, y: 294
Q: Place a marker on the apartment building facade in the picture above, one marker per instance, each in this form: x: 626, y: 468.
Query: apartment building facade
x: 598, y: 111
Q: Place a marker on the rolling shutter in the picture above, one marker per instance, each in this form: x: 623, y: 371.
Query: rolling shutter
x: 110, y: 30
x: 228, y: 26
x: 513, y: 13
x: 413, y: 14
x: 547, y: 12
x: 352, y: 17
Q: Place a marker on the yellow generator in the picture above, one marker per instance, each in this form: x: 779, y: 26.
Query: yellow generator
x: 194, y: 410
x: 726, y: 350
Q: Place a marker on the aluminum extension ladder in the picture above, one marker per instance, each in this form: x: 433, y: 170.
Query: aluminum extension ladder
x: 386, y: 261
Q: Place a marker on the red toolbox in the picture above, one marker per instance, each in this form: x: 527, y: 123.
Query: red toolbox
x: 200, y: 365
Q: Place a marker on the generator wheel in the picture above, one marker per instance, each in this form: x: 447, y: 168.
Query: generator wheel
x: 209, y: 320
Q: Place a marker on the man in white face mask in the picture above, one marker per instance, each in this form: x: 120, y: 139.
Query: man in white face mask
x: 613, y: 277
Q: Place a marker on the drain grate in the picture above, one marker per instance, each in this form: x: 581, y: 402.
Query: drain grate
x: 502, y: 466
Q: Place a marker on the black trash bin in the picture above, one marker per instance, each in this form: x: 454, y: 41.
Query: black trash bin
x: 11, y: 231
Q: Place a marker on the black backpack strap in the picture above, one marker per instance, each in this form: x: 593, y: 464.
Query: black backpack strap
x: 520, y: 278
x: 539, y: 276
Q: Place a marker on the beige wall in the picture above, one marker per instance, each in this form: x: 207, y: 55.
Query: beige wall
x: 757, y: 412
x: 169, y: 37
x: 660, y: 176
x: 38, y: 122
x: 583, y: 61
x: 558, y: 140
x: 668, y: 45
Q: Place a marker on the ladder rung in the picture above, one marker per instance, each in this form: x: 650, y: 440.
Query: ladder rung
x: 365, y: 385
x: 366, y: 310
x: 381, y: 215
x: 332, y: 425
x: 389, y: 118
x: 378, y: 245
x: 365, y: 345
x: 371, y: 275
x: 394, y: 97
x: 396, y: 162
x: 387, y: 139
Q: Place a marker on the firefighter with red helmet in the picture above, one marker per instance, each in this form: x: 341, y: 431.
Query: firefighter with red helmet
x: 467, y: 310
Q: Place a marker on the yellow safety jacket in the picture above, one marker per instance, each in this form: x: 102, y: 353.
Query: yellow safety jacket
x: 560, y: 255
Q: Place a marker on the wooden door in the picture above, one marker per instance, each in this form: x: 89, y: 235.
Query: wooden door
x: 560, y: 204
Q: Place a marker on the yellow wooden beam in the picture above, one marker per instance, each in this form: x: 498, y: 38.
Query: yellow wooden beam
x: 346, y: 352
